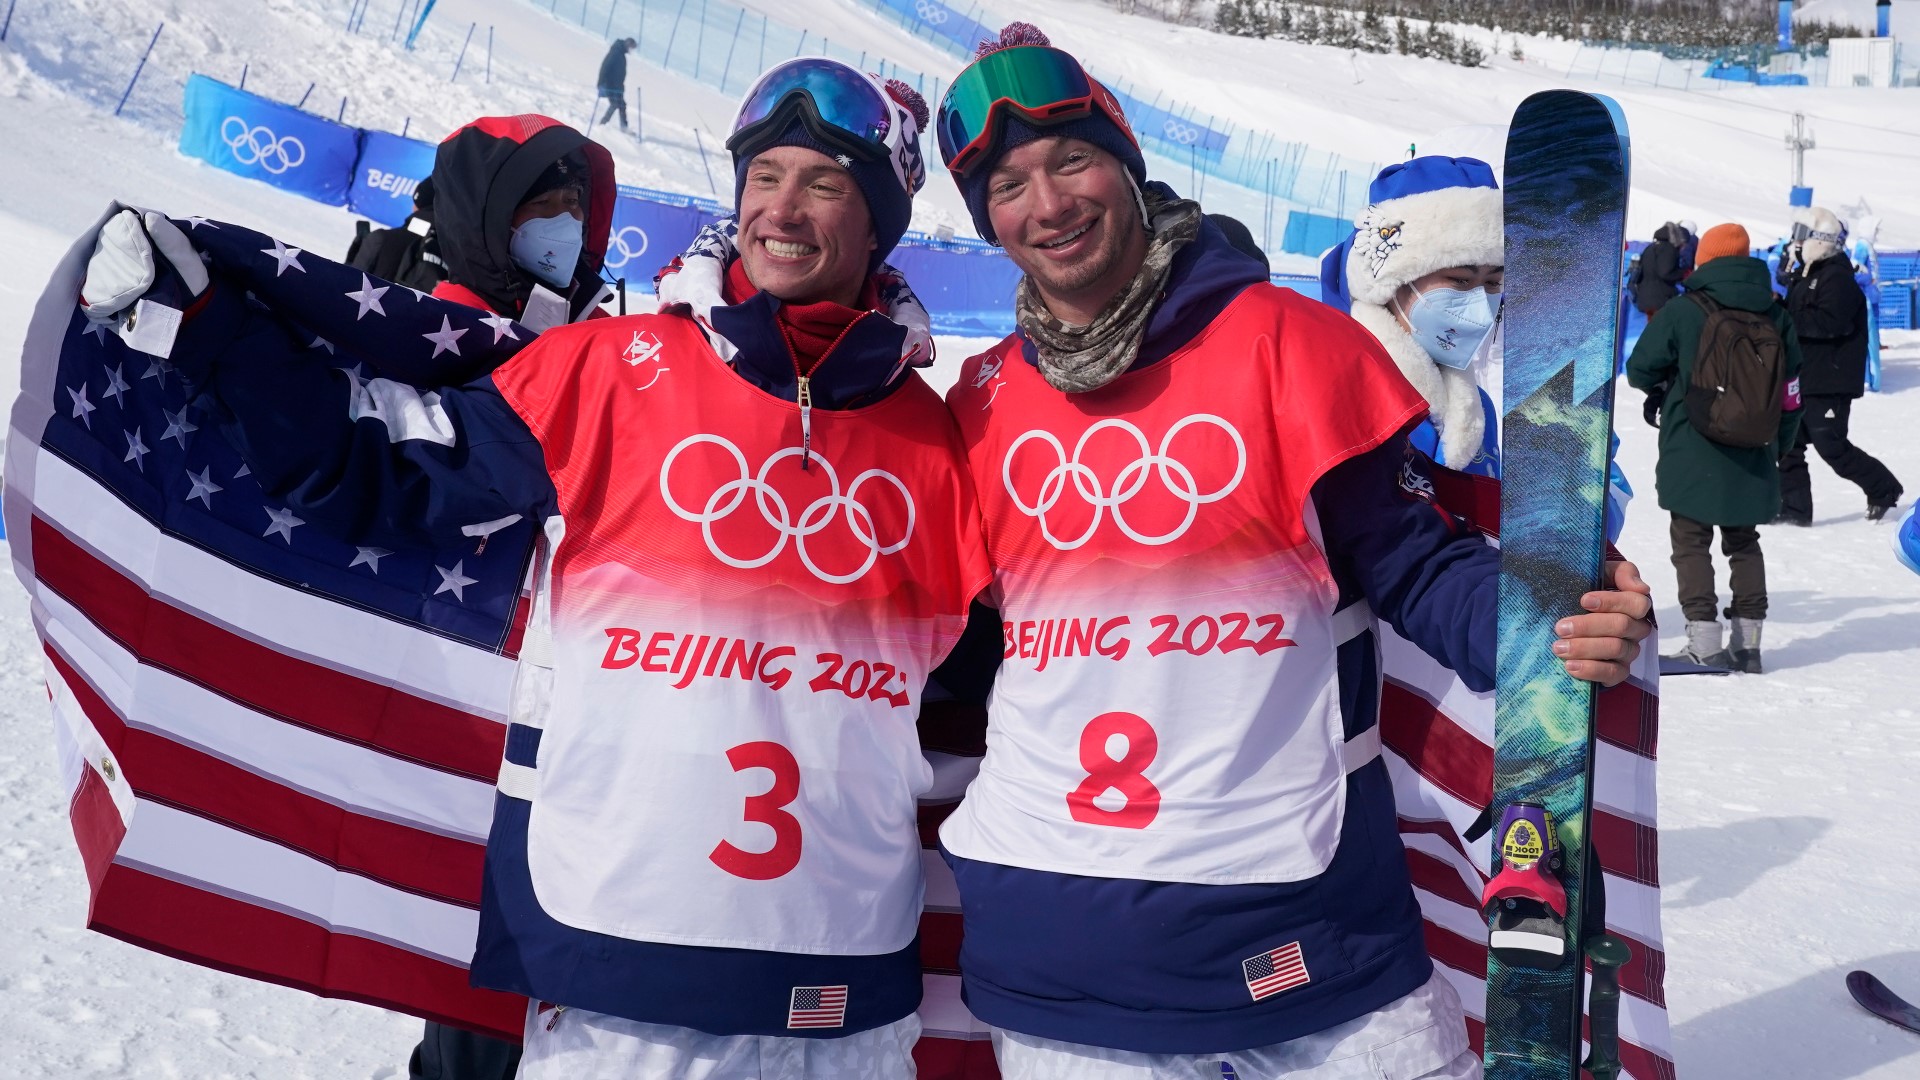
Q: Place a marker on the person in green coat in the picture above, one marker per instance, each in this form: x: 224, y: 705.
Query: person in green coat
x: 1705, y: 484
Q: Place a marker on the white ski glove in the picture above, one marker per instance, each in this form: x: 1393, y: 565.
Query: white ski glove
x: 124, y: 267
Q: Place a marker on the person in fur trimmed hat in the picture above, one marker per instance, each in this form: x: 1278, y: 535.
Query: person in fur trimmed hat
x: 1424, y: 272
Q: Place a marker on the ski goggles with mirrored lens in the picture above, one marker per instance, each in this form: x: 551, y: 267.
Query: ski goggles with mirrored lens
x: 1037, y: 83
x: 838, y: 105
x: 1806, y: 232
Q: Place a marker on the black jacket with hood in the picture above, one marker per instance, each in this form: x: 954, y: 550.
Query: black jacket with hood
x: 481, y: 174
x: 1830, y: 314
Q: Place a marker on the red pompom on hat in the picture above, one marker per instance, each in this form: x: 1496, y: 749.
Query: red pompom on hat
x: 1014, y: 33
x: 909, y: 99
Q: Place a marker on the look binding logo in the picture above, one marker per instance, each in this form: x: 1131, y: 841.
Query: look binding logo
x: 775, y: 513
x: 1080, y: 476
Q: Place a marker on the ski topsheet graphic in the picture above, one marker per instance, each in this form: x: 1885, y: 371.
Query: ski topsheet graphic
x: 1566, y: 191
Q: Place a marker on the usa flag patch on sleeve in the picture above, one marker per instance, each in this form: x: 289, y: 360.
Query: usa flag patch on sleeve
x: 1271, y: 972
x: 818, y: 1007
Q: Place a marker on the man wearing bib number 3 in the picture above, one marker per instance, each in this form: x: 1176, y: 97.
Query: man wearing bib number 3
x: 1181, y: 849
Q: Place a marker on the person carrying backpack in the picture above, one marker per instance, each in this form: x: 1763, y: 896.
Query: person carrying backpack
x: 1726, y: 362
x: 408, y: 255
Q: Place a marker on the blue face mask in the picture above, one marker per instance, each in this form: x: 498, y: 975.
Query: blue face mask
x: 1450, y: 324
x: 548, y: 248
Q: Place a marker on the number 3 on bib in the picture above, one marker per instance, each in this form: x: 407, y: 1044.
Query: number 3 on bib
x: 1124, y: 774
x: 765, y: 808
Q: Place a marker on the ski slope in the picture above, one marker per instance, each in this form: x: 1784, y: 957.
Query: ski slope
x: 1782, y: 793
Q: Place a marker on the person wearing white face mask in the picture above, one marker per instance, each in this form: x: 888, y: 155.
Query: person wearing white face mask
x: 1424, y: 272
x: 523, y: 208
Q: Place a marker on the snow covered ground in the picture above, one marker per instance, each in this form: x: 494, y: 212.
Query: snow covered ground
x: 1782, y: 793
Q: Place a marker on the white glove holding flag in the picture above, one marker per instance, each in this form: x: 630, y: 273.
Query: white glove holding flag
x: 124, y: 268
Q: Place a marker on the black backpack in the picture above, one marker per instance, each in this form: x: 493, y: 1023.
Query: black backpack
x: 399, y: 255
x: 1739, y: 376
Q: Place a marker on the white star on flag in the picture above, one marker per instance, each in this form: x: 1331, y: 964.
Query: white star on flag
x: 369, y: 556
x: 319, y: 342
x: 98, y: 330
x: 82, y: 408
x: 446, y: 339
x: 197, y: 221
x: 454, y: 581
x: 368, y: 298
x: 137, y: 450
x: 117, y: 384
x: 158, y: 369
x: 283, y: 523
x: 502, y: 327
x: 356, y: 376
x: 244, y: 471
x: 284, y: 257
x: 178, y: 425
x: 203, y: 486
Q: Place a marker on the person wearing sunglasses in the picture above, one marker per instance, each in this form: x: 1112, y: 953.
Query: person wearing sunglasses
x: 1181, y: 847
x: 759, y: 538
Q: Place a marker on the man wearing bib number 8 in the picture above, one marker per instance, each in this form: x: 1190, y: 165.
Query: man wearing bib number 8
x: 1181, y: 846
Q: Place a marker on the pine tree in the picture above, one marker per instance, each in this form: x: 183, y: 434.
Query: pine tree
x: 1402, y: 37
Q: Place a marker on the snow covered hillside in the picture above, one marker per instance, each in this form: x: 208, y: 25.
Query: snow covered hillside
x: 1781, y: 793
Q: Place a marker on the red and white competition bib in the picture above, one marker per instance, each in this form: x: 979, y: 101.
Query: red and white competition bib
x: 1168, y: 708
x: 740, y: 630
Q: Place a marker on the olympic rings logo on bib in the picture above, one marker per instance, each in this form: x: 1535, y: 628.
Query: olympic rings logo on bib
x: 1174, y: 477
x: 773, y: 509
x: 252, y: 145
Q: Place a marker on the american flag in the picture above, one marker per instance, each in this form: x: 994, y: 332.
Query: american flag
x: 817, y: 1007
x: 279, y: 747
x: 1271, y: 972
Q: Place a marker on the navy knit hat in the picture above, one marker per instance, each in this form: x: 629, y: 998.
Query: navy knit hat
x: 888, y: 202
x: 1015, y: 131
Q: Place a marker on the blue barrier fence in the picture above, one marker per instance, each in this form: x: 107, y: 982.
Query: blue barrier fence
x: 966, y: 285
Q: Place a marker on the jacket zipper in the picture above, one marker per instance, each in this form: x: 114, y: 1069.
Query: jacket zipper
x: 803, y: 386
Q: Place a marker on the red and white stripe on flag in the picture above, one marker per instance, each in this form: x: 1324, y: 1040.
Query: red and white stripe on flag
x: 1271, y: 972
x: 261, y: 780
x: 817, y: 1007
x: 1438, y: 741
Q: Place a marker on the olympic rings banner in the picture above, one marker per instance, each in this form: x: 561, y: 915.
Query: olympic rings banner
x: 941, y: 20
x: 1175, y: 135
x: 264, y: 140
x: 384, y: 178
x: 649, y: 229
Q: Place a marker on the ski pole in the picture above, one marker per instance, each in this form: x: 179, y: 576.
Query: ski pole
x: 8, y: 21
x: 1608, y: 954
x: 702, y: 144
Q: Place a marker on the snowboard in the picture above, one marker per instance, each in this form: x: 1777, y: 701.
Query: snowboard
x: 1565, y: 207
x: 1873, y: 996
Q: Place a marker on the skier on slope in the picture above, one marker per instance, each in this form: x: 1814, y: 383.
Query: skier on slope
x: 753, y: 476
x: 1181, y: 845
x: 1428, y: 286
x: 613, y: 79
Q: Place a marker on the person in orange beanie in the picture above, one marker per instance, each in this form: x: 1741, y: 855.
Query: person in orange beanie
x: 1719, y: 469
x: 1728, y: 239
